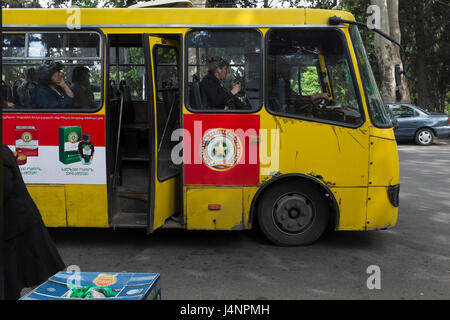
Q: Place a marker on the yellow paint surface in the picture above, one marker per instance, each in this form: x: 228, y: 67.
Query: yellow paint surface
x: 173, y: 16
x: 87, y: 206
x: 50, y: 201
x: 380, y: 212
x: 352, y: 204
x: 167, y: 200
x: 229, y: 217
x: 383, y: 163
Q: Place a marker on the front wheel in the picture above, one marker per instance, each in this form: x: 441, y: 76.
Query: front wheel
x: 424, y: 137
x: 293, y: 213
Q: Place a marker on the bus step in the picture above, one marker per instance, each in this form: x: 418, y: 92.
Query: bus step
x: 129, y: 220
x: 134, y: 195
x: 137, y: 158
x: 173, y: 224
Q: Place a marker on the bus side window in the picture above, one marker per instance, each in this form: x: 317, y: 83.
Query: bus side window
x: 26, y: 69
x: 240, y: 51
x: 298, y: 87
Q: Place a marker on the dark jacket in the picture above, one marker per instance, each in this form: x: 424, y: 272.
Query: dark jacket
x: 84, y: 97
x: 20, y: 212
x: 25, y: 91
x: 45, y: 98
x: 214, y: 95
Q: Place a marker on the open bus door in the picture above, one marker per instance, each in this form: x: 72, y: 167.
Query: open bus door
x: 165, y: 92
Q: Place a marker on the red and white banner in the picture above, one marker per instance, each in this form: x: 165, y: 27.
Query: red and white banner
x: 49, y: 147
x: 221, y: 149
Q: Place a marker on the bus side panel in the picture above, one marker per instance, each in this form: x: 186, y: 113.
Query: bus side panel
x: 248, y: 193
x: 381, y: 214
x: 337, y: 156
x: 167, y: 201
x: 229, y: 216
x: 51, y: 204
x: 352, y: 208
x: 86, y: 206
x: 383, y: 168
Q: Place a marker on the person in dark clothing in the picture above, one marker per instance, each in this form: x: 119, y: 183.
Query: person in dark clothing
x: 30, y: 256
x: 81, y: 88
x: 26, y: 88
x: 52, y: 92
x: 214, y: 95
x: 287, y: 98
x: 6, y: 96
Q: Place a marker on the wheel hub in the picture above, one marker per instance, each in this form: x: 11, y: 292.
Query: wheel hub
x: 424, y: 137
x: 293, y: 213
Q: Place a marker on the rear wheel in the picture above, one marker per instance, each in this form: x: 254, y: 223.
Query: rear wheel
x: 293, y: 213
x: 424, y: 137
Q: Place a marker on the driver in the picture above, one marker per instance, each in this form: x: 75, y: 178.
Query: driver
x: 288, y: 97
x: 214, y: 94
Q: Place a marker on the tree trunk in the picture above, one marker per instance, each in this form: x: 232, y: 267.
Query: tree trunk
x: 388, y: 53
x: 423, y: 97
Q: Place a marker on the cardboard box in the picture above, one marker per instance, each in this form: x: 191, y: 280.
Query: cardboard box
x: 69, y: 137
x: 26, y: 140
x: 131, y: 286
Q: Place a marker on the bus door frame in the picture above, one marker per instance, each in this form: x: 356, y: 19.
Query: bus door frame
x: 153, y: 176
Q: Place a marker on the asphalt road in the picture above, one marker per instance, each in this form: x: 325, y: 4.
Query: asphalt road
x: 413, y: 258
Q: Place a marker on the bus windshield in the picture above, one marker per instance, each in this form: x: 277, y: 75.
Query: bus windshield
x: 306, y: 66
x: 377, y: 112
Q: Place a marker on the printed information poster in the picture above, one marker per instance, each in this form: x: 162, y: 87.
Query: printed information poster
x: 58, y: 149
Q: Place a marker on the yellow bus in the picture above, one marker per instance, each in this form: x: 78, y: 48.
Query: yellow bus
x: 304, y: 143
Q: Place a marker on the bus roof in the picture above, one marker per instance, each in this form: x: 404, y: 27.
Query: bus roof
x: 170, y: 17
x: 163, y: 4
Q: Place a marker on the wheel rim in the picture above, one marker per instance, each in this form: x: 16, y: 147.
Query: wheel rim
x: 425, y: 137
x: 293, y: 213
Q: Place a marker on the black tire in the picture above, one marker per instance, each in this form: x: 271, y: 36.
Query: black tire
x: 424, y: 137
x: 293, y: 213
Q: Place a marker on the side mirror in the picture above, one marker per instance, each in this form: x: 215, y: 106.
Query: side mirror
x: 398, y: 75
x: 394, y: 122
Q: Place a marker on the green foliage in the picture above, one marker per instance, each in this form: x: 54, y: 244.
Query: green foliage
x: 310, y: 81
x: 20, y: 4
x: 437, y: 44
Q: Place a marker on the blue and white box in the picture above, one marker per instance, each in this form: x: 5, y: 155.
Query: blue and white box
x: 129, y: 286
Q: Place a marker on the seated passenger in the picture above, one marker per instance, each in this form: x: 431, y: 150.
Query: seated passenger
x: 81, y: 88
x: 288, y: 98
x: 6, y: 100
x: 26, y: 87
x: 52, y: 92
x: 214, y: 95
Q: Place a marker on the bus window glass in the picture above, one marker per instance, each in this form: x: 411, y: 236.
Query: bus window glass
x: 377, y: 112
x: 240, y: 52
x: 309, y: 76
x: 309, y: 81
x: 63, y: 45
x: 127, y: 64
x: 33, y: 71
x: 167, y: 107
x: 13, y: 45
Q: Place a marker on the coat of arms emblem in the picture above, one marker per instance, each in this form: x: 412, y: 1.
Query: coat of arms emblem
x: 221, y: 149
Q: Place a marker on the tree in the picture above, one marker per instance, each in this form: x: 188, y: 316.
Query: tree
x: 20, y: 4
x: 388, y: 53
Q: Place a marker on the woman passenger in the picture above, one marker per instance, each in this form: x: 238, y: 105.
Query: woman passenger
x: 81, y: 88
x: 52, y: 92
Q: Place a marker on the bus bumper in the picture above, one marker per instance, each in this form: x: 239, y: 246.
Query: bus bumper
x: 382, y: 207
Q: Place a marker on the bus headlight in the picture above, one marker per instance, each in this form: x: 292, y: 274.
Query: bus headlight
x: 393, y: 193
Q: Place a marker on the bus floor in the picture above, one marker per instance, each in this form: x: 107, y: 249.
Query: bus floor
x: 131, y: 209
